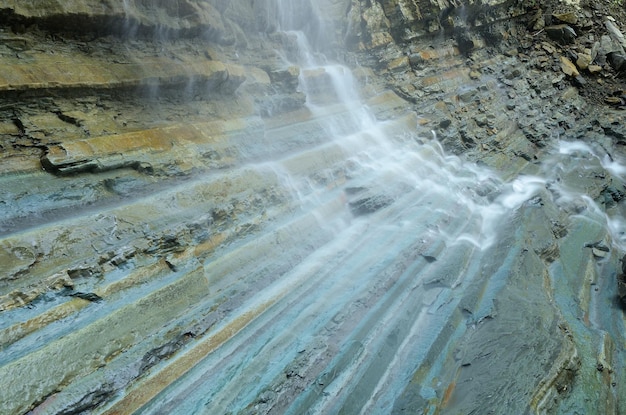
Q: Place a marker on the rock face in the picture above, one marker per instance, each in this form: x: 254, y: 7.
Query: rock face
x: 199, y: 215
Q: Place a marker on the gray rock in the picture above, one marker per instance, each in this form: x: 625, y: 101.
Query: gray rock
x: 416, y: 60
x: 562, y: 33
x: 617, y: 60
x: 616, y: 35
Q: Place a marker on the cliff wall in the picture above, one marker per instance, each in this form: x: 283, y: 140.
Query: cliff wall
x: 148, y: 155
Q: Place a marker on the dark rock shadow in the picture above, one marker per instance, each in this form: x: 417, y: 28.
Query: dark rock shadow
x: 619, y: 303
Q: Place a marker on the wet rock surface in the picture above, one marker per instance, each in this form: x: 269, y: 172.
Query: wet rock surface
x: 182, y: 231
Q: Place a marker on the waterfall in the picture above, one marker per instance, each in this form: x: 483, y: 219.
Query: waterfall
x: 387, y: 234
x: 387, y: 159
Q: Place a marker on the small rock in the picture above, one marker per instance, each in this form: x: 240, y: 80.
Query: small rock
x: 416, y: 60
x: 617, y: 61
x: 594, y: 50
x: 615, y: 33
x: 481, y: 121
x: 607, y: 45
x: 468, y: 95
x: 548, y: 47
x: 583, y: 61
x: 445, y: 123
x: 429, y: 258
x: 562, y: 33
x: 568, y: 67
x: 594, y: 69
x: 474, y: 74
x: 570, y: 17
x: 579, y: 81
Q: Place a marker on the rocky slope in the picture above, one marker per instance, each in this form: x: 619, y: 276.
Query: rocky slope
x: 181, y: 231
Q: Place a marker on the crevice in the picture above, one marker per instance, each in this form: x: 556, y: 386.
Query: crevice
x: 20, y: 126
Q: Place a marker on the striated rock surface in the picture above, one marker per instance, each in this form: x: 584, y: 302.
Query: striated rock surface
x: 200, y: 215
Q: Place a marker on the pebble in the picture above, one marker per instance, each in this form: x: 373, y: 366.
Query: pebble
x: 570, y: 18
x: 583, y: 61
x: 617, y: 60
x: 594, y: 69
x: 568, y: 67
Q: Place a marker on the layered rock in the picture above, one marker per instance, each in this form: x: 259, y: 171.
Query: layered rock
x: 181, y: 231
x: 494, y: 87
